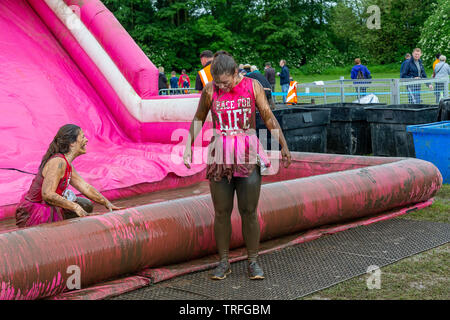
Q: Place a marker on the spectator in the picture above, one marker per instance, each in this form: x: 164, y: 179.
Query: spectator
x: 436, y: 62
x: 264, y: 83
x: 204, y: 75
x: 442, y: 70
x: 184, y: 81
x: 241, y: 69
x: 407, y: 57
x: 173, y: 82
x: 360, y: 71
x: 254, y: 69
x: 284, y: 79
x: 269, y: 73
x: 414, y: 70
x: 162, y: 81
x: 246, y: 69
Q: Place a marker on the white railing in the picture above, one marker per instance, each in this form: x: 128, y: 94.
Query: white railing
x: 390, y: 91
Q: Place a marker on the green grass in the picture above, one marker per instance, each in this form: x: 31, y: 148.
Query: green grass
x: 424, y: 276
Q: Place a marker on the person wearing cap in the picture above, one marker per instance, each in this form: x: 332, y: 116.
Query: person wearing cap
x: 204, y: 75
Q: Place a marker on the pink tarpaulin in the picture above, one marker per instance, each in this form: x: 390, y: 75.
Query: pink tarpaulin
x: 41, y: 89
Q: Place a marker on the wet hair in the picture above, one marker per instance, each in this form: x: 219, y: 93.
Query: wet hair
x: 206, y: 54
x: 223, y: 63
x: 66, y: 135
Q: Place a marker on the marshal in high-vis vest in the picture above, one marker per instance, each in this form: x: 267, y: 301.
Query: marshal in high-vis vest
x: 292, y: 93
x: 204, y: 75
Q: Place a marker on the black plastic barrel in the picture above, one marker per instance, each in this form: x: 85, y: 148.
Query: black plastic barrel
x: 295, y: 105
x: 304, y: 129
x: 348, y: 131
x: 388, y: 127
x: 444, y: 113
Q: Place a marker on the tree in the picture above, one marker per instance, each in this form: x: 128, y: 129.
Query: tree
x: 401, y: 22
x: 435, y: 35
x: 321, y: 33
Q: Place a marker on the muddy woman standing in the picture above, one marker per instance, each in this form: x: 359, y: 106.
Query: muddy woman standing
x: 236, y: 158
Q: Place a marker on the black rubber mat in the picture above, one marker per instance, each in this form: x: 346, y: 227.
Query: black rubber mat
x: 308, y: 267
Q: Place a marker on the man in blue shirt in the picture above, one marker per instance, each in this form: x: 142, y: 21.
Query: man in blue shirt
x: 284, y: 78
x: 360, y: 71
x: 414, y: 69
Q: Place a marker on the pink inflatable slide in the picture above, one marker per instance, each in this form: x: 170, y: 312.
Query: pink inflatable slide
x: 72, y: 62
x: 56, y: 68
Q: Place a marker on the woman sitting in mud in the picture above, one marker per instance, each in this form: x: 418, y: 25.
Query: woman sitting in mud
x: 49, y: 198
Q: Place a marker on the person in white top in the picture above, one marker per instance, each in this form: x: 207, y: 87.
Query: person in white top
x: 442, y: 70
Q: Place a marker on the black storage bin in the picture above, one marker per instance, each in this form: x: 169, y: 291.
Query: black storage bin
x: 303, y: 129
x: 285, y: 105
x: 388, y: 127
x: 348, y: 131
x: 444, y: 113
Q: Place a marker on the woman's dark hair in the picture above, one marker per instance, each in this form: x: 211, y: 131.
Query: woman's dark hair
x: 223, y: 63
x: 66, y: 135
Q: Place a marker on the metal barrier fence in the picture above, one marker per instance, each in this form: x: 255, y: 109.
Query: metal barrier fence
x: 174, y: 91
x: 390, y: 91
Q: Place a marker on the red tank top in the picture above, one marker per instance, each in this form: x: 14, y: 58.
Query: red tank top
x: 35, y: 192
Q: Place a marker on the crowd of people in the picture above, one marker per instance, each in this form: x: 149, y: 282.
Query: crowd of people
x: 181, y: 84
x: 411, y: 68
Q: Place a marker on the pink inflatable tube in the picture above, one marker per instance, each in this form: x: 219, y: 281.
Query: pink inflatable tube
x: 37, y: 260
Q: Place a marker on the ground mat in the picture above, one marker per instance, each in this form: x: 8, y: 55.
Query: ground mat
x: 308, y: 267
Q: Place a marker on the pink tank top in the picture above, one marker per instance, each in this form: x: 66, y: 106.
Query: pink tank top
x: 35, y: 192
x: 234, y: 149
x: 234, y: 112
